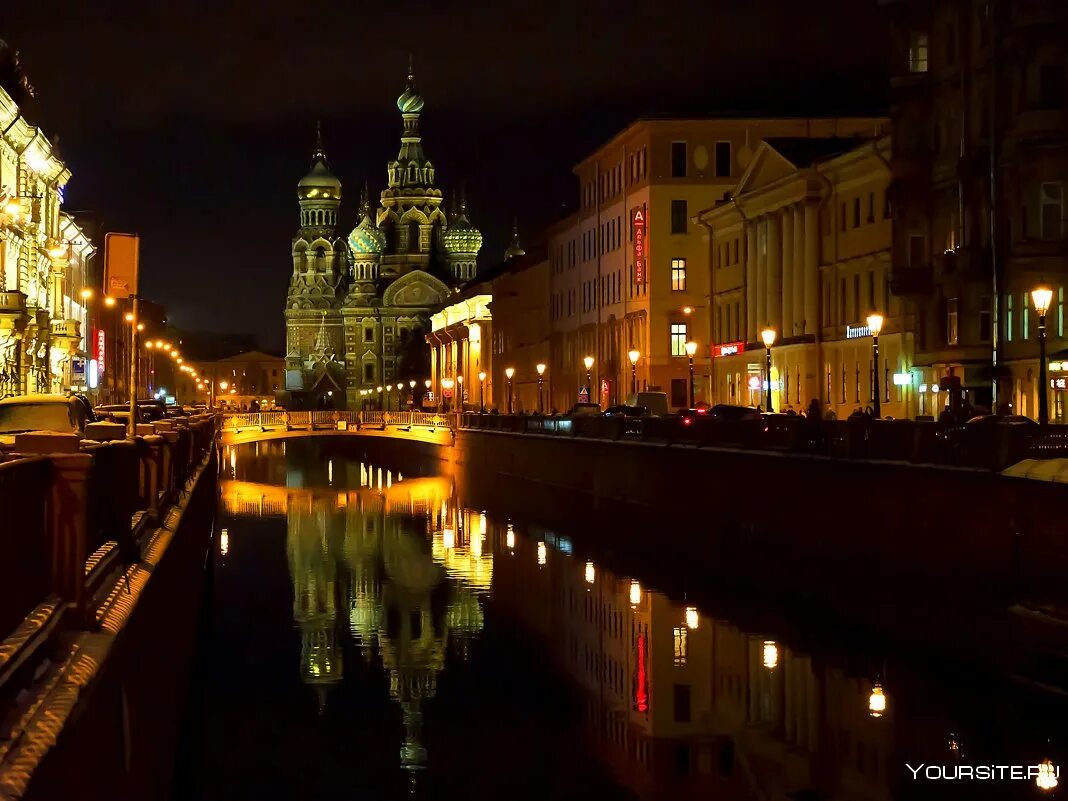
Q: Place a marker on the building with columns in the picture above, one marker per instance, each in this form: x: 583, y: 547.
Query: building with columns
x: 803, y: 248
x: 358, y: 309
x: 630, y: 269
x: 44, y: 257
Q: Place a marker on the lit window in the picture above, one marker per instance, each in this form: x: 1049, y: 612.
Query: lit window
x: 678, y: 275
x: 1009, y: 327
x: 678, y: 339
x: 918, y: 52
x: 1025, y: 321
x: 680, y: 645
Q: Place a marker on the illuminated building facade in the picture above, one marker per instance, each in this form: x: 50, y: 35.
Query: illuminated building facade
x: 249, y: 376
x: 522, y: 332
x: 459, y: 333
x: 803, y: 247
x: 44, y: 257
x: 980, y: 195
x: 358, y: 307
x: 630, y: 269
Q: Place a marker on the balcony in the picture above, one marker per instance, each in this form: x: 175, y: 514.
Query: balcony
x: 906, y: 281
x: 67, y: 330
x: 13, y: 303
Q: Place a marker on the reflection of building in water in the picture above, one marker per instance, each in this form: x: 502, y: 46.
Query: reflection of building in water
x: 685, y: 706
x: 409, y: 567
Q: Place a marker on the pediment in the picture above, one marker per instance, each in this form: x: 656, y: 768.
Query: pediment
x: 767, y: 167
x: 416, y: 289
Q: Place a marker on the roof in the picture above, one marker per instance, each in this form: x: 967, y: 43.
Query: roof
x: 251, y: 356
x: 805, y: 151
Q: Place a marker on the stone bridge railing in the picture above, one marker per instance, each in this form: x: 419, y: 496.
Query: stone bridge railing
x: 73, y: 514
x: 335, y: 420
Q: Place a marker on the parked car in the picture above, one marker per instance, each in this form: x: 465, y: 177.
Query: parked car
x: 585, y: 410
x: 985, y: 420
x: 732, y: 414
x: 147, y: 411
x: 623, y: 410
x: 655, y: 402
x: 688, y: 416
x: 22, y: 413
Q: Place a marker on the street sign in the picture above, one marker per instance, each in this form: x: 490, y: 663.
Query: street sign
x: 584, y: 395
x: 121, y: 252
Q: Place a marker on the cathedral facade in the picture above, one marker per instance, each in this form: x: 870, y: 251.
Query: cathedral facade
x: 358, y: 307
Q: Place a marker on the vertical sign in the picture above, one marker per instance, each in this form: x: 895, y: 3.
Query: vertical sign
x: 639, y: 246
x: 99, y: 347
x: 120, y: 264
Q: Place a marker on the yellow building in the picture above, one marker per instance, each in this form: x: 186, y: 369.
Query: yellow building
x: 521, y: 333
x: 238, y: 380
x: 630, y: 270
x: 803, y: 248
x: 43, y: 255
x: 457, y: 356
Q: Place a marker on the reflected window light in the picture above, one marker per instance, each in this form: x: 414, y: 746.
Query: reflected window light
x: 691, y: 617
x: 770, y: 654
x: 591, y: 573
x: 543, y: 553
x: 224, y: 542
x: 509, y: 537
x: 233, y: 461
x: 635, y: 592
x: 389, y: 479
x: 330, y: 472
x: 476, y: 545
x: 1046, y: 779
x: 380, y: 478
x: 877, y: 701
x: 399, y: 476
x: 482, y: 521
x: 448, y: 538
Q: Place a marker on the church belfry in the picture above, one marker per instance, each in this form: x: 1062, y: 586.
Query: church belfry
x: 319, y: 193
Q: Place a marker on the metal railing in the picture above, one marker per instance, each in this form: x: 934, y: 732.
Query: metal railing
x: 336, y: 420
x: 986, y: 446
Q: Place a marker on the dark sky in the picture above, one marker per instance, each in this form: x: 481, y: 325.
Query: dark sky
x: 191, y: 122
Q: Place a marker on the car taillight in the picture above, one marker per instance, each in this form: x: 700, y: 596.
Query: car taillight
x: 686, y: 421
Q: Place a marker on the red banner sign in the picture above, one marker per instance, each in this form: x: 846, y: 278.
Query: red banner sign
x: 99, y: 346
x: 727, y: 349
x: 639, y: 246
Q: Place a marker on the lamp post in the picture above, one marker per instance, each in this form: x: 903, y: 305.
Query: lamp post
x: 691, y: 349
x: 1042, y: 295
x: 481, y: 391
x: 768, y: 335
x: 460, y: 392
x: 634, y: 355
x: 446, y: 387
x: 541, y: 378
x: 588, y: 361
x: 427, y: 384
x: 509, y: 372
x: 875, y: 325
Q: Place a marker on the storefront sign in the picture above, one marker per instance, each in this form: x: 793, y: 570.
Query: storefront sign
x: 641, y: 679
x: 902, y: 379
x: 727, y: 349
x: 77, y: 370
x: 100, y: 346
x: 857, y: 331
x: 94, y: 374
x: 1058, y: 383
x: 639, y: 246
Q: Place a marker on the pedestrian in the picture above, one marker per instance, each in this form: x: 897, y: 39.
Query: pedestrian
x: 814, y: 409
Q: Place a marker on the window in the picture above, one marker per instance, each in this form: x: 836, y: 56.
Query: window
x: 678, y: 159
x: 369, y: 372
x: 1025, y: 321
x: 843, y: 313
x: 681, y: 696
x: 1008, y: 318
x: 871, y: 294
x: 842, y: 217
x: 871, y: 207
x: 856, y: 212
x: 951, y: 321
x: 984, y: 319
x: 678, y: 340
x: 680, y: 645
x: 856, y: 297
x: 678, y: 216
x: 1051, y: 201
x: 368, y: 335
x: 917, y: 250
x: 918, y: 52
x: 678, y: 275
x: 723, y: 159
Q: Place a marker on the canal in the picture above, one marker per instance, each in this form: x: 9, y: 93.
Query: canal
x: 368, y: 633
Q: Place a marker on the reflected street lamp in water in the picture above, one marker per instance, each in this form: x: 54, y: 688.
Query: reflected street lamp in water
x: 875, y: 325
x: 634, y: 354
x: 1042, y: 296
x: 541, y: 379
x: 768, y: 336
x: 508, y: 373
x: 691, y: 349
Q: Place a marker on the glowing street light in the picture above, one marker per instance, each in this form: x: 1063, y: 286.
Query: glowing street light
x: 691, y: 349
x: 634, y: 354
x: 543, y: 554
x: 588, y: 361
x: 875, y: 325
x: 1042, y: 297
x: 540, y: 367
x: 768, y: 336
x: 109, y: 301
x: 509, y: 537
x: 224, y: 385
x: 877, y: 701
x: 87, y: 294
x: 635, y: 592
x: 770, y: 654
x: 509, y: 372
x: 590, y: 573
x: 692, y: 619
x: 128, y: 317
x: 1046, y: 779
x: 481, y: 391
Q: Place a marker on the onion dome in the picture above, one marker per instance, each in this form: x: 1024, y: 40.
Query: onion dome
x: 461, y: 236
x: 515, y: 250
x: 320, y: 182
x: 366, y: 239
x: 410, y: 101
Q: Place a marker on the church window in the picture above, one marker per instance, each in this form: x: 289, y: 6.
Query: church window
x: 368, y: 335
x: 369, y: 372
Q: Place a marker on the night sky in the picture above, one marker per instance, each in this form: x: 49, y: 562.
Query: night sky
x: 191, y: 122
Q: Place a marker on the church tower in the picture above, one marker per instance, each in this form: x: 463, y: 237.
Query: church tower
x: 462, y: 242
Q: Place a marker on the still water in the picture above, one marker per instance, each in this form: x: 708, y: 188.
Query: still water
x: 367, y: 634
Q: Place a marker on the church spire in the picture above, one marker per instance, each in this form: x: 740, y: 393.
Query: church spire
x: 514, y: 249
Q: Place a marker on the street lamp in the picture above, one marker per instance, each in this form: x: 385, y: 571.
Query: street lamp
x: 768, y: 335
x: 446, y: 389
x: 540, y: 367
x: 482, y: 391
x: 877, y: 701
x: 460, y: 392
x: 875, y: 325
x: 509, y: 372
x: 1042, y: 295
x: 770, y: 654
x: 634, y: 355
x: 87, y: 294
x: 691, y: 349
x: 588, y: 361
x: 109, y: 301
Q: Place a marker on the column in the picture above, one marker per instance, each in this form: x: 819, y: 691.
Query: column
x: 788, y: 288
x: 812, y: 287
x: 774, y: 268
x: 761, y: 276
x: 802, y: 323
x: 750, y: 327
